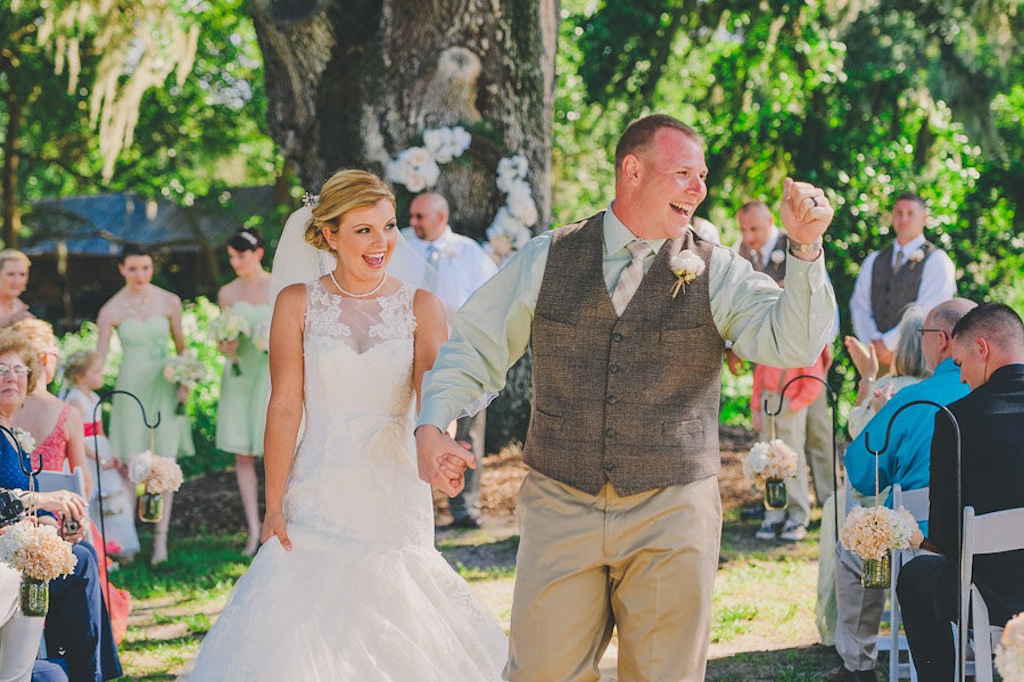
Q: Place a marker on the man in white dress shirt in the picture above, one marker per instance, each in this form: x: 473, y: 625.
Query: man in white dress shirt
x: 461, y: 266
x: 912, y: 270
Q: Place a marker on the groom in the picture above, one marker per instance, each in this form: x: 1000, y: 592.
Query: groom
x: 620, y: 515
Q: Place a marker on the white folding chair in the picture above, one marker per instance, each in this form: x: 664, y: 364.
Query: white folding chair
x: 992, y: 533
x: 50, y: 481
x: 915, y: 502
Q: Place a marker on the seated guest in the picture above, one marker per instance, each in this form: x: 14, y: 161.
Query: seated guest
x: 988, y: 345
x: 77, y: 623
x: 19, y: 635
x: 905, y: 461
x: 908, y: 367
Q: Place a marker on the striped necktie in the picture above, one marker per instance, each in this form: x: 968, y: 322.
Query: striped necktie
x: 632, y: 275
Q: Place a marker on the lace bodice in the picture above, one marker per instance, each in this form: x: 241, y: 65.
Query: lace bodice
x: 354, y: 474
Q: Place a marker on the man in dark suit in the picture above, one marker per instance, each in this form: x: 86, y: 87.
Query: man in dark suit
x: 988, y: 346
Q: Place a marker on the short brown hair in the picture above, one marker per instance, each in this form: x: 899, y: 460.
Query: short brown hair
x: 13, y: 341
x: 637, y: 135
x: 911, y: 196
x: 346, y: 190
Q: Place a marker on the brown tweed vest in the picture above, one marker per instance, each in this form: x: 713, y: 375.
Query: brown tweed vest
x: 632, y: 399
x: 890, y: 293
x: 776, y: 271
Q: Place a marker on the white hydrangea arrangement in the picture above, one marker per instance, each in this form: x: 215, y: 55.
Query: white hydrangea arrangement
x: 158, y: 474
x: 871, y: 532
x: 261, y: 335
x: 773, y: 460
x: 1010, y: 652
x: 228, y: 326
x: 37, y: 551
x: 419, y: 168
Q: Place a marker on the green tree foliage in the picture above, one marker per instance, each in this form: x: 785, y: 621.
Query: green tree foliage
x: 189, y: 137
x: 867, y: 98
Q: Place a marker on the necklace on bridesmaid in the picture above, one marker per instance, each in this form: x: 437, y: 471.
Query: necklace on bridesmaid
x: 136, y: 309
x: 369, y: 293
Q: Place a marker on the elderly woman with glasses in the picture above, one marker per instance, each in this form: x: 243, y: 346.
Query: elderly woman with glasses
x: 77, y: 623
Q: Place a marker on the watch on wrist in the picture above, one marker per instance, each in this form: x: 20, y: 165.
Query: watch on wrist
x: 796, y: 248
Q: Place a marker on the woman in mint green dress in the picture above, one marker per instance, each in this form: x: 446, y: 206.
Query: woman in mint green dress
x: 245, y: 388
x: 148, y: 323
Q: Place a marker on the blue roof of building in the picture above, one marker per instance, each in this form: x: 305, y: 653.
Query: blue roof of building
x: 98, y: 225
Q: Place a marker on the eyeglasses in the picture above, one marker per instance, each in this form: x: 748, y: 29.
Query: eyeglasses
x: 922, y: 331
x: 20, y: 371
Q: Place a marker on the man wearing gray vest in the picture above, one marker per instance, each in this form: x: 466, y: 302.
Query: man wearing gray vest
x: 910, y: 270
x: 627, y: 314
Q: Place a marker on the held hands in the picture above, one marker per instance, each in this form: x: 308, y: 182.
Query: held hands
x: 805, y: 213
x: 442, y: 461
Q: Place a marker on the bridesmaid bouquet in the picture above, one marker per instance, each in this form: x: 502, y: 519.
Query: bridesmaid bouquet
x: 184, y: 371
x: 228, y: 326
x: 261, y: 335
x: 1010, y: 652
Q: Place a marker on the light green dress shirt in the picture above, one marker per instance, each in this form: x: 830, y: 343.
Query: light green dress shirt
x: 766, y: 324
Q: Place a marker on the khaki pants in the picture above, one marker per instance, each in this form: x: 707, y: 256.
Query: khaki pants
x: 19, y: 636
x: 644, y: 563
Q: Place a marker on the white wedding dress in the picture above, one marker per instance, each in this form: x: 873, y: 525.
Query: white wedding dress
x: 363, y: 595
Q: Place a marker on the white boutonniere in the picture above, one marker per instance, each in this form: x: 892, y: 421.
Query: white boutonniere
x: 449, y: 251
x: 778, y: 256
x: 25, y: 440
x: 916, y: 256
x: 687, y: 266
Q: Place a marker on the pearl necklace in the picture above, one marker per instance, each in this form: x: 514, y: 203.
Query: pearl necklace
x: 369, y: 293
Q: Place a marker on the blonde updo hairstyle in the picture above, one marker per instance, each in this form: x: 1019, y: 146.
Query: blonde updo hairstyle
x: 38, y: 332
x: 344, y: 191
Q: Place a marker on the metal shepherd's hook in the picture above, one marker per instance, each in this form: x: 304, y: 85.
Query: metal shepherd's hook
x: 835, y: 427
x: 961, y: 620
x: 108, y: 397
x: 24, y: 457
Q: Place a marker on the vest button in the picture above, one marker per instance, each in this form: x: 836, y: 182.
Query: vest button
x: 608, y: 466
x: 612, y: 399
x: 609, y: 432
x: 613, y: 368
x: 616, y: 336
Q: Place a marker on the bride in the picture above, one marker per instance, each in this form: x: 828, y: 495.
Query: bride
x: 348, y: 585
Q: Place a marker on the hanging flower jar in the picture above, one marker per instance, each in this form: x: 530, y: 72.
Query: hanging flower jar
x: 769, y: 464
x: 41, y: 555
x: 872, y: 533
x: 157, y: 476
x: 877, y: 573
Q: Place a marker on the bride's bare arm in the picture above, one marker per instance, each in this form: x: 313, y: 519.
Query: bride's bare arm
x: 284, y: 413
x: 446, y: 470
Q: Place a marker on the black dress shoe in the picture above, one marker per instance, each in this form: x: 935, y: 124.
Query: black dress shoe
x: 841, y: 674
x: 470, y: 522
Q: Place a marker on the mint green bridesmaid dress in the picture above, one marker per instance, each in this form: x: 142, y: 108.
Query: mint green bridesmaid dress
x: 242, y: 411
x: 147, y: 345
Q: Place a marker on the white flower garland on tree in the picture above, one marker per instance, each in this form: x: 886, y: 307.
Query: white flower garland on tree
x: 418, y: 169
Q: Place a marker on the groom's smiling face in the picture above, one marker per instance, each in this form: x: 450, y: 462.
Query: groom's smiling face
x: 661, y: 185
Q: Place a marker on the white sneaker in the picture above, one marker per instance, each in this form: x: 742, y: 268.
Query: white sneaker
x: 768, y: 530
x: 792, y: 531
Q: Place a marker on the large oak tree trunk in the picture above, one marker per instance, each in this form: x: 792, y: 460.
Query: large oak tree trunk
x: 350, y: 83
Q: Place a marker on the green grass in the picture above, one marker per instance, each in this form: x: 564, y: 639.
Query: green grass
x: 763, y: 623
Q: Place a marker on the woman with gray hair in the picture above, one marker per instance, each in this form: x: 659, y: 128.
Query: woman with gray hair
x: 908, y: 367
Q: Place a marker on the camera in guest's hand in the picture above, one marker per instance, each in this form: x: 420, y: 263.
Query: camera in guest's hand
x: 69, y: 525
x: 12, y: 509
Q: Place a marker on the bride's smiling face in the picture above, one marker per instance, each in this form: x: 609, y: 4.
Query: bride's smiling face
x: 365, y: 239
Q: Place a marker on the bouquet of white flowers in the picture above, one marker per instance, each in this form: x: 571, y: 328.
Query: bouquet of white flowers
x: 184, y: 371
x: 773, y: 460
x: 228, y: 326
x: 37, y: 551
x: 261, y: 335
x: 871, y: 532
x: 1010, y: 652
x: 158, y: 474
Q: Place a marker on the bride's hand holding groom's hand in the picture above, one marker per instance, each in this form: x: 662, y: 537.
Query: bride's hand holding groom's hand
x: 442, y: 460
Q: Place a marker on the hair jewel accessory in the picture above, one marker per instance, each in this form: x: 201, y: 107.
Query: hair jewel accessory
x: 310, y: 200
x: 249, y: 237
